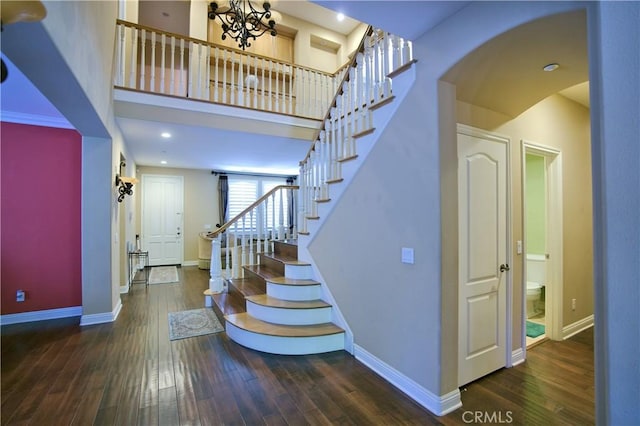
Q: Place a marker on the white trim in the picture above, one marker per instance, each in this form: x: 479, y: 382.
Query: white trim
x: 578, y: 326
x: 101, y: 318
x: 36, y: 120
x: 46, y: 314
x: 555, y: 283
x: 518, y: 356
x: 124, y: 289
x: 190, y: 263
x: 439, y: 405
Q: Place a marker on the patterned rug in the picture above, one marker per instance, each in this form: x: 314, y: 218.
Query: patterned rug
x: 163, y: 274
x: 195, y: 322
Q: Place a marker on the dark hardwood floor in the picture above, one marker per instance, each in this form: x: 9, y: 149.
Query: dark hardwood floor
x: 128, y: 372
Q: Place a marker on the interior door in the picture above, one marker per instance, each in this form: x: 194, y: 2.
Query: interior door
x: 483, y: 264
x: 162, y: 227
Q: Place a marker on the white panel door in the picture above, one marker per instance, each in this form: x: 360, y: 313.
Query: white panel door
x: 483, y: 266
x: 162, y: 227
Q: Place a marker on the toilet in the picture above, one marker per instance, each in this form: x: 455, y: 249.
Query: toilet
x: 534, y: 291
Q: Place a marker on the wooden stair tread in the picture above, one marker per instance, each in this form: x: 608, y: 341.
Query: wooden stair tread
x: 246, y: 287
x: 249, y: 323
x: 229, y: 303
x: 266, y: 300
x: 287, y: 260
x: 262, y: 271
x: 293, y: 282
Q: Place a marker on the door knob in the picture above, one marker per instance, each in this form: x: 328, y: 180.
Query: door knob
x: 504, y: 267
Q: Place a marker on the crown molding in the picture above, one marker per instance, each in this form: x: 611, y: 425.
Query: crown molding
x: 35, y: 120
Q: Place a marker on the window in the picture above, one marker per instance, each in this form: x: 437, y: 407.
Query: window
x: 245, y: 190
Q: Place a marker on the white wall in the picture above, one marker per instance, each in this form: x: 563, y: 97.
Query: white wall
x: 614, y: 61
x: 394, y: 202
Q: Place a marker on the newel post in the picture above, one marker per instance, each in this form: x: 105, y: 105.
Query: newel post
x: 216, y: 283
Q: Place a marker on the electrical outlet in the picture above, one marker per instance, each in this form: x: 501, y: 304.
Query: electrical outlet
x: 573, y: 304
x: 20, y: 296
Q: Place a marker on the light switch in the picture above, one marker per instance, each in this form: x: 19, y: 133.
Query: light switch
x: 519, y: 247
x: 407, y: 255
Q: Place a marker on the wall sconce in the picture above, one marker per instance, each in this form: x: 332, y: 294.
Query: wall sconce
x: 124, y: 184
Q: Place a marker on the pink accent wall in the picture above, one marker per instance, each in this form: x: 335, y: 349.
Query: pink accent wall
x: 40, y: 239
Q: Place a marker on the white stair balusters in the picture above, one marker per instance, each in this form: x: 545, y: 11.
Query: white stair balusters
x: 349, y: 117
x: 158, y: 62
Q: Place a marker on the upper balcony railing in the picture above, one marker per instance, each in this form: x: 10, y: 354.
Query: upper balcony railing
x: 154, y: 61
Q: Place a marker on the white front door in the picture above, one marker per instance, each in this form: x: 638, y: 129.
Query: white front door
x: 162, y: 227
x: 483, y: 261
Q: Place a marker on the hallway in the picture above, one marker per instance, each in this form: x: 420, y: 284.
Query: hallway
x: 129, y: 373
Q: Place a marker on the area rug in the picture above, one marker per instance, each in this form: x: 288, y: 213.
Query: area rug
x: 534, y: 330
x: 195, y: 322
x: 163, y: 274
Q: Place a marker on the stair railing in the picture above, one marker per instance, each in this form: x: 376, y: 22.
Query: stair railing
x: 366, y: 84
x: 155, y: 61
x: 251, y: 233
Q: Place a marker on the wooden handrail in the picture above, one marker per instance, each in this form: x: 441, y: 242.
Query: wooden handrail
x: 219, y: 46
x: 339, y: 92
x: 248, y: 209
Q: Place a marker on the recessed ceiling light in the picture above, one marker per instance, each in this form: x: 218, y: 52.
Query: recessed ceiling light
x: 551, y: 67
x: 163, y: 162
x: 165, y: 134
x: 340, y: 17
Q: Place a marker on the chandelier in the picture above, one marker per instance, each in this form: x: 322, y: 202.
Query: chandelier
x: 242, y: 20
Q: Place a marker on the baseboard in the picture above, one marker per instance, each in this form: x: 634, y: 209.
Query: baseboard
x: 517, y: 357
x: 103, y: 317
x: 124, y: 289
x: 577, y: 327
x: 190, y: 263
x: 439, y: 405
x: 46, y: 314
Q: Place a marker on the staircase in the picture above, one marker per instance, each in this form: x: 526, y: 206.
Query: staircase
x: 277, y: 307
x: 271, y: 300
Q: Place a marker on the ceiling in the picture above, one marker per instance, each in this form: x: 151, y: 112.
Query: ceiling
x: 485, y: 77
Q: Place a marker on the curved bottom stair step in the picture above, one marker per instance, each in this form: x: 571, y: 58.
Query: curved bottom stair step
x: 284, y: 339
x: 273, y: 310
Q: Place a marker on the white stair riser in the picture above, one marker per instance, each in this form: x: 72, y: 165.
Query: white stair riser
x: 285, y: 345
x: 298, y: 272
x: 294, y: 293
x: 289, y: 316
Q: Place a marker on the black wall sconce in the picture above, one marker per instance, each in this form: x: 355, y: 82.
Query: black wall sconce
x: 124, y: 184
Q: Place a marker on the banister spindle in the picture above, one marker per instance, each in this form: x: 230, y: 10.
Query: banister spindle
x: 163, y: 52
x: 277, y: 94
x: 235, y: 256
x: 152, y: 64
x: 182, y: 82
x: 191, y: 71
x: 263, y: 85
x: 224, y: 77
x: 251, y: 228
x: 281, y: 216
x: 216, y: 81
x: 120, y: 40
x: 143, y: 39
x: 172, y: 86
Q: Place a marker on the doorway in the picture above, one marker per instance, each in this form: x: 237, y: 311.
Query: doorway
x: 162, y: 219
x: 483, y: 251
x: 542, y: 219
